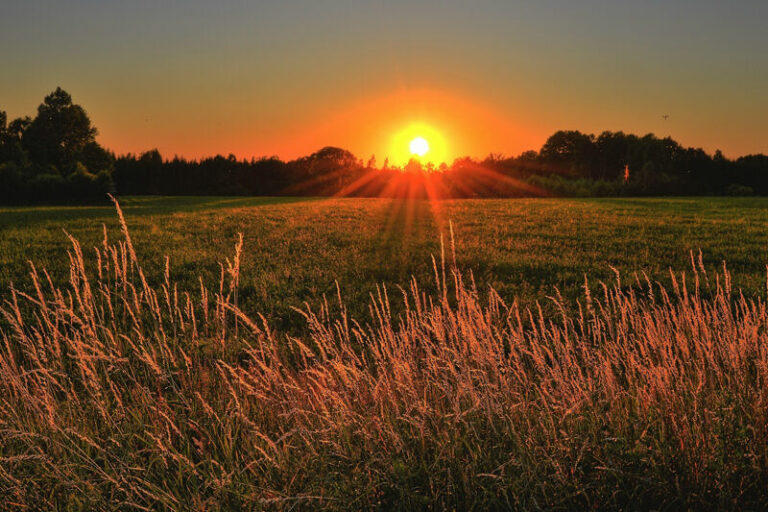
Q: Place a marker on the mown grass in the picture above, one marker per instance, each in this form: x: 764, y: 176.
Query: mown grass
x: 296, y: 249
x: 117, y: 393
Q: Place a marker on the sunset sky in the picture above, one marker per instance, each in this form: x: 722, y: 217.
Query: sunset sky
x: 287, y: 77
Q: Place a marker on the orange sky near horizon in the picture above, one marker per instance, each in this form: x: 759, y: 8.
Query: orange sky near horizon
x: 384, y: 126
x: 367, y: 127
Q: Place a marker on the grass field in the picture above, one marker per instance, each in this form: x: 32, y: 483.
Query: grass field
x: 123, y: 387
x: 295, y: 249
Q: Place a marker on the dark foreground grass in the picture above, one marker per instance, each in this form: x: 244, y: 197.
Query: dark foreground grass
x: 120, y: 394
x: 296, y: 249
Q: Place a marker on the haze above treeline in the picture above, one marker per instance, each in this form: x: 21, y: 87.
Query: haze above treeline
x: 54, y: 157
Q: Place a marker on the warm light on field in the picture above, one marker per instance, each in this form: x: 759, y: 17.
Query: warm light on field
x: 419, y: 140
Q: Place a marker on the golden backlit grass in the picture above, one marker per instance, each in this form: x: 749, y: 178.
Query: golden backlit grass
x: 118, y: 394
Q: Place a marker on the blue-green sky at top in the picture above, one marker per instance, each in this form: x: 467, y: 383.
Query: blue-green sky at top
x: 286, y: 77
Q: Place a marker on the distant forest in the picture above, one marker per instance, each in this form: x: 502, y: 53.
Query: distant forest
x: 54, y: 157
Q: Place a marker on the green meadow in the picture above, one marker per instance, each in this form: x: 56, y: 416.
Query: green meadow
x: 296, y: 250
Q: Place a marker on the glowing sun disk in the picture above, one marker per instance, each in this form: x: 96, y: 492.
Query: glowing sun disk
x: 420, y: 140
x: 419, y: 146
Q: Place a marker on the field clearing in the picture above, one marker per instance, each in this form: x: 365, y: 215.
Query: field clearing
x: 296, y: 249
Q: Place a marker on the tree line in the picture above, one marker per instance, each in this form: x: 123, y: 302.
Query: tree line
x: 54, y: 157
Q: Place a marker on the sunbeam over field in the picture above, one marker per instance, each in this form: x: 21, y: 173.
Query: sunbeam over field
x: 408, y: 256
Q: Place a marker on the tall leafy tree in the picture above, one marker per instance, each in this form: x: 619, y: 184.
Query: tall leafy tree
x: 571, y: 152
x: 60, y: 132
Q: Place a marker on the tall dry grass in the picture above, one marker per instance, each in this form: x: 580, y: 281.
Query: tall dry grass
x: 119, y: 395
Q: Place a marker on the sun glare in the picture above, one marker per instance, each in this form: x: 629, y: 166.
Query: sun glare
x: 419, y: 146
x: 419, y: 140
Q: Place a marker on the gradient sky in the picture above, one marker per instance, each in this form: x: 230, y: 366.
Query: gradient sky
x: 287, y: 77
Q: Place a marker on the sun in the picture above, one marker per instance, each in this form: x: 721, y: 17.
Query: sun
x: 419, y: 140
x: 419, y: 146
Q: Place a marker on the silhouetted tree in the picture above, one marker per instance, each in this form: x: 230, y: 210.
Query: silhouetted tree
x: 59, y: 133
x: 570, y: 152
x: 53, y: 157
